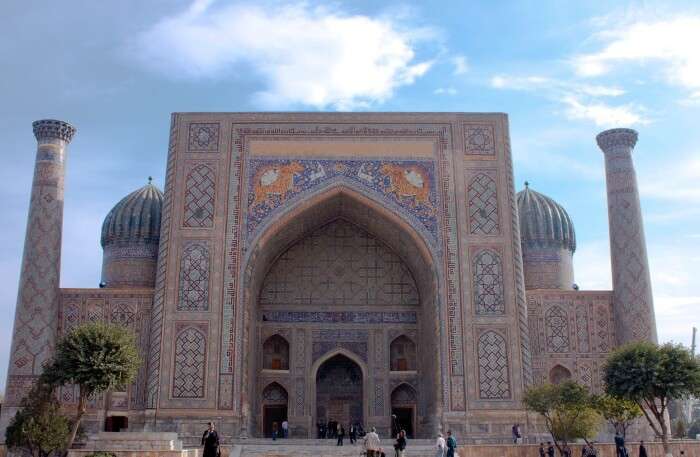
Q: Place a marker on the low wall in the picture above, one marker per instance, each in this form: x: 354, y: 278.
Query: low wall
x: 691, y: 448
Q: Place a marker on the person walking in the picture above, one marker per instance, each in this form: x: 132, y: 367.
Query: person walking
x: 341, y: 435
x: 566, y: 451
x: 275, y: 431
x: 372, y: 443
x: 542, y: 453
x: 642, y: 450
x: 353, y: 434
x: 210, y: 441
x: 550, y: 449
x: 620, y: 449
x: 285, y: 429
x: 441, y: 446
x: 401, y: 443
x: 451, y: 444
x: 516, y: 433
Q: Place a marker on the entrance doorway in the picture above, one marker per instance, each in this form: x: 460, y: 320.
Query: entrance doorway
x: 116, y: 423
x: 339, y: 392
x: 274, y: 409
x: 403, y: 409
x: 273, y: 415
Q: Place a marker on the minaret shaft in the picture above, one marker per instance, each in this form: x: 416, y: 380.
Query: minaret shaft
x: 36, y: 313
x: 633, y: 301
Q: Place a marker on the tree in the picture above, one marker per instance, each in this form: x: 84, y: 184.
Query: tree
x: 38, y: 427
x: 619, y: 412
x: 651, y: 376
x: 567, y: 409
x: 680, y: 429
x: 96, y: 357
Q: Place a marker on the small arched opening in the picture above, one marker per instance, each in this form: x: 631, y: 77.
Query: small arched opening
x: 276, y: 353
x: 559, y: 374
x: 404, y: 401
x: 274, y: 405
x: 402, y: 354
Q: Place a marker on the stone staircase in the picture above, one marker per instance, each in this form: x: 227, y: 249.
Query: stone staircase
x: 321, y: 448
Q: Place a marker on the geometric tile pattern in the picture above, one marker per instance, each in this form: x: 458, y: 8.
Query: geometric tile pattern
x: 194, y: 277
x: 203, y: 138
x: 339, y: 264
x: 634, y: 308
x: 494, y: 381
x: 190, y: 360
x: 199, y: 197
x: 557, y: 325
x: 582, y: 336
x: 479, y: 139
x: 483, y: 206
x: 488, y: 283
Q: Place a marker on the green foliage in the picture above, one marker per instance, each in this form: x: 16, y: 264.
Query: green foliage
x: 643, y: 371
x: 680, y: 429
x: 38, y: 427
x: 97, y: 357
x: 619, y: 412
x: 567, y: 409
x: 652, y: 376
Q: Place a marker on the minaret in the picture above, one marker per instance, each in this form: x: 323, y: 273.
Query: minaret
x: 633, y: 304
x: 36, y: 314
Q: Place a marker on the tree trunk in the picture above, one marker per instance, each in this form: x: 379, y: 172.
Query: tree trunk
x: 665, y: 437
x: 82, y: 400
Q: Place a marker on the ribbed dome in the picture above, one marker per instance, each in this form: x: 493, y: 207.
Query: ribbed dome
x: 135, y: 218
x: 544, y: 222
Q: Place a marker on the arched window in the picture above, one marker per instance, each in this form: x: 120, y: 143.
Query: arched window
x: 402, y: 353
x: 559, y: 374
x: 276, y: 353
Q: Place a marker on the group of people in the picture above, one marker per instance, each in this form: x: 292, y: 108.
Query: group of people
x: 277, y: 433
x: 335, y: 430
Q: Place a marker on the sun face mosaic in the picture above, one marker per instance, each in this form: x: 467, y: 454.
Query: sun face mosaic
x: 407, y: 184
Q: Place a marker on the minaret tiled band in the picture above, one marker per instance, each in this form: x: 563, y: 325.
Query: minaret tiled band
x: 633, y: 303
x: 36, y: 315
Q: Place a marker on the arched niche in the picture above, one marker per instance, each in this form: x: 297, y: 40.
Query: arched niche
x: 300, y: 220
x: 402, y: 354
x: 275, y: 404
x: 275, y: 353
x: 559, y: 374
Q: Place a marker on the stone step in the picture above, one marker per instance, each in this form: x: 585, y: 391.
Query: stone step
x: 287, y: 449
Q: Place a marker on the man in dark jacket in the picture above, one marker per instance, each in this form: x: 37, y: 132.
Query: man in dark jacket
x: 642, y: 450
x: 620, y: 445
x: 550, y: 449
x: 542, y: 453
x: 210, y: 441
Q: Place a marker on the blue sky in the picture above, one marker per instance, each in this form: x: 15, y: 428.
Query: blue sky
x: 563, y: 71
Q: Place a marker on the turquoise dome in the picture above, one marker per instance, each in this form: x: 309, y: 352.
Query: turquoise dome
x: 136, y: 218
x: 544, y: 222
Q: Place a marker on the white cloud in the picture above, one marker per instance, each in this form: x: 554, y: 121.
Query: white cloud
x: 675, y: 294
x: 460, y: 64
x: 581, y: 101
x: 670, y: 44
x: 445, y: 91
x: 602, y: 114
x: 311, y: 56
x: 685, y: 176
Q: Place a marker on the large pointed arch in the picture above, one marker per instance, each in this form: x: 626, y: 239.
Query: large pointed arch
x: 370, y: 214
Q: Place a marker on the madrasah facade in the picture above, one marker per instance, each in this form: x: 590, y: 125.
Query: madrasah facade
x: 334, y: 266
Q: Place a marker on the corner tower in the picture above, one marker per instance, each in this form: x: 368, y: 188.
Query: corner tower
x: 36, y: 314
x: 633, y: 305
x: 548, y: 241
